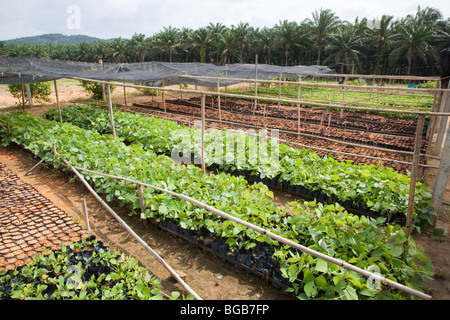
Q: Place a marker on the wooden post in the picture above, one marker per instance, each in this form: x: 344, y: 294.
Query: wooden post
x: 440, y: 183
x: 298, y: 117
x: 103, y: 85
x: 279, y: 91
x: 415, y: 170
x: 111, y: 117
x: 125, y: 96
x: 141, y: 197
x: 203, y: 133
x: 256, y: 84
x: 343, y: 96
x: 218, y: 101
x: 445, y: 107
x: 164, y: 97
x: 23, y: 98
x: 30, y: 97
x: 86, y: 215
x: 57, y: 101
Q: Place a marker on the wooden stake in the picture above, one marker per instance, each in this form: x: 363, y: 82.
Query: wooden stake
x: 23, y: 98
x: 30, y: 97
x: 125, y: 96
x: 440, y: 183
x: 256, y: 84
x: 164, y: 97
x: 57, y: 101
x: 279, y: 91
x: 415, y: 170
x: 218, y: 101
x: 86, y: 215
x: 111, y: 116
x: 203, y: 133
x: 141, y: 197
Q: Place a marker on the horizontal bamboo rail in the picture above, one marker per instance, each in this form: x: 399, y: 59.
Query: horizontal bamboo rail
x: 265, y: 232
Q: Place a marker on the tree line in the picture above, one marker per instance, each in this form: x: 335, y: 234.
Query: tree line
x: 404, y: 46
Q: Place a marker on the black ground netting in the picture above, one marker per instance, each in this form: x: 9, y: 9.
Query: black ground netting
x: 28, y: 70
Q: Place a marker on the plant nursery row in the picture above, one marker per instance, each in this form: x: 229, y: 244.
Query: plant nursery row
x: 377, y: 191
x: 365, y: 242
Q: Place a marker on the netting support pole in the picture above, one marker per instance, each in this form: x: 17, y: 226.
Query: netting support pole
x: 440, y: 183
x: 86, y: 215
x: 415, y: 170
x: 103, y: 85
x: 279, y: 91
x: 163, y: 95
x: 125, y: 96
x: 141, y: 197
x: 111, y: 116
x: 30, y: 97
x: 23, y: 98
x: 57, y: 101
x: 443, y: 123
x: 203, y: 134
x: 256, y: 84
x: 218, y: 100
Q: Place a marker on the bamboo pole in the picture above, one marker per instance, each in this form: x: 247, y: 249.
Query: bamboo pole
x: 125, y: 96
x: 23, y: 98
x: 218, y: 100
x: 141, y: 197
x: 415, y: 170
x: 256, y: 84
x: 86, y: 215
x: 57, y: 101
x: 279, y: 91
x: 131, y: 231
x: 267, y: 233
x: 30, y: 96
x: 163, y: 96
x: 443, y: 123
x: 440, y: 183
x: 111, y: 116
x: 203, y: 134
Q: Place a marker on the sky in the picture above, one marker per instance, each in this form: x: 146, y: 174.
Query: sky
x: 122, y: 18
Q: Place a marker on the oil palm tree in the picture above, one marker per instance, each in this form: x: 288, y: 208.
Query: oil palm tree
x: 117, y: 50
x: 412, y: 42
x: 287, y: 32
x: 323, y: 24
x: 380, y: 36
x: 344, y: 47
x: 199, y: 40
x: 168, y: 41
x: 242, y: 33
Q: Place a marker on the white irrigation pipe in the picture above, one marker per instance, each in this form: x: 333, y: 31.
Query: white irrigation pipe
x: 123, y: 223
x: 374, y: 276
